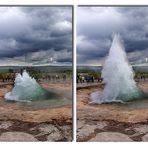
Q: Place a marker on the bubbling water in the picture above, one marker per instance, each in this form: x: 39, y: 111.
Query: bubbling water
x: 26, y: 89
x: 118, y: 77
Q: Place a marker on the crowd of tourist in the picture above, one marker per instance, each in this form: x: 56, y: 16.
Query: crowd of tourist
x: 86, y: 78
x: 10, y: 77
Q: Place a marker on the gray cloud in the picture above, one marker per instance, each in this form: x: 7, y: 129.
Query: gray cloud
x: 97, y: 24
x: 26, y: 32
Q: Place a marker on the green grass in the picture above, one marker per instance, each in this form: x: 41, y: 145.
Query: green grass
x: 38, y: 73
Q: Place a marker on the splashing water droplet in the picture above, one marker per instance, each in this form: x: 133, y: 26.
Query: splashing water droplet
x: 26, y: 89
x: 118, y: 77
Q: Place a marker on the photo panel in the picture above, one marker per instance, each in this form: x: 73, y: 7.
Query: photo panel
x: 36, y: 73
x: 112, y: 73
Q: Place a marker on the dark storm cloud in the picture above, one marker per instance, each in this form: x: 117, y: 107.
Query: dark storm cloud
x: 96, y: 26
x: 29, y: 30
x: 65, y: 60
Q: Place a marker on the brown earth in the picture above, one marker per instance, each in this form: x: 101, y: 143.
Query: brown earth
x: 27, y: 118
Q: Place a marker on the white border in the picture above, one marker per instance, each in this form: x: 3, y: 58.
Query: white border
x: 74, y: 2
x: 73, y: 144
x: 74, y: 74
x: 37, y: 2
x: 112, y: 2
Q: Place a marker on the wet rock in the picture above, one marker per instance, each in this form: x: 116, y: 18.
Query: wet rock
x: 66, y: 128
x: 145, y: 138
x: 101, y: 125
x: 50, y: 132
x: 44, y: 129
x: 66, y: 132
x: 86, y: 132
x: 110, y: 137
x: 141, y: 129
x: 80, y: 124
x: 47, y: 128
x: 5, y: 124
x: 17, y: 136
x: 54, y: 136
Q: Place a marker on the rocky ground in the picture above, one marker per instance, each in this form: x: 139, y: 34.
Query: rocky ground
x: 110, y: 122
x: 20, y: 123
x: 16, y: 130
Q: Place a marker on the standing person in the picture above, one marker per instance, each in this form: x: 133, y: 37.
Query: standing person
x: 144, y: 77
x: 77, y: 78
x: 83, y: 79
x: 49, y: 77
x: 64, y: 77
x: 92, y: 78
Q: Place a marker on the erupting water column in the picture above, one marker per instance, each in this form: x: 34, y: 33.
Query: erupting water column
x: 118, y: 77
x: 27, y: 89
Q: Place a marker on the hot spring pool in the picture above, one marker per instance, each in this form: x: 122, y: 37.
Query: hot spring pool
x: 64, y: 98
x: 28, y: 92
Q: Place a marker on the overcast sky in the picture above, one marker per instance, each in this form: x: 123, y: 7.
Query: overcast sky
x: 35, y: 35
x: 96, y: 25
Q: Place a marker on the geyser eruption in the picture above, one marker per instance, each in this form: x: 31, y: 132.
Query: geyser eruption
x: 118, y: 77
x: 27, y: 89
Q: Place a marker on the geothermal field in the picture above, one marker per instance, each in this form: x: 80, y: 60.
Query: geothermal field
x: 112, y: 103
x: 36, y: 104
